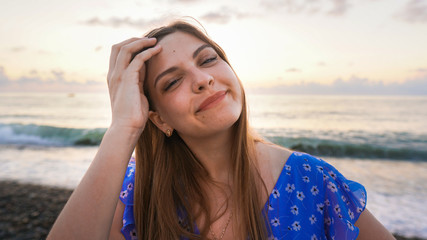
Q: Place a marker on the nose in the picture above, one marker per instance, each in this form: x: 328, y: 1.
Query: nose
x: 202, y: 80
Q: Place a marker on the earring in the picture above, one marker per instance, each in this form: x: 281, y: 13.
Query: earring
x: 168, y: 132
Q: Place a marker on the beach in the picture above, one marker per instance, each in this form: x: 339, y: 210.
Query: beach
x: 47, y: 142
x: 28, y: 211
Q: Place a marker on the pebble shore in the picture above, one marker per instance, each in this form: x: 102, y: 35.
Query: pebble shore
x: 28, y: 211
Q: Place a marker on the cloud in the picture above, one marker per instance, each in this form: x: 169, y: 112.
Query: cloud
x: 293, y: 70
x: 18, y: 49
x: 186, y: 1
x: 55, y: 83
x: 224, y: 15
x: 415, y: 11
x: 116, y: 22
x: 340, y: 7
x: 217, y: 17
x: 309, y: 7
x: 353, y: 86
x: 3, y: 78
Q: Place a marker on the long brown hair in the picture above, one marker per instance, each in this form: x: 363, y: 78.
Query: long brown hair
x: 168, y: 176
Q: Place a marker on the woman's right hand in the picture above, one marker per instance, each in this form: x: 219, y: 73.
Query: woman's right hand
x: 129, y: 105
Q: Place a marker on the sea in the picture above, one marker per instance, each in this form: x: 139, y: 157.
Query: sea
x: 379, y: 141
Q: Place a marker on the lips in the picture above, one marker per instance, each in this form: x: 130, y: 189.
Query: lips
x: 211, y: 101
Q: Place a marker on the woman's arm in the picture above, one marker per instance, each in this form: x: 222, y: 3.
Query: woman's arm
x: 370, y: 228
x: 89, y: 212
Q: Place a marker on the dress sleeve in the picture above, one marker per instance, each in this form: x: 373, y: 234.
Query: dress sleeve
x: 345, y: 200
x: 126, y: 196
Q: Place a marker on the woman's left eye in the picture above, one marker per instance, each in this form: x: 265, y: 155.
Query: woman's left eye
x: 209, y: 60
x: 171, y: 84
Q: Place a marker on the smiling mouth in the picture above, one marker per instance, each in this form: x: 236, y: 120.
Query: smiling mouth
x: 211, y: 101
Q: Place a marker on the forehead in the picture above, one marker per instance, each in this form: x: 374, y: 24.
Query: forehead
x: 175, y: 46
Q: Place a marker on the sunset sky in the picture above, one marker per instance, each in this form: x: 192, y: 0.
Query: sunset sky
x: 370, y: 45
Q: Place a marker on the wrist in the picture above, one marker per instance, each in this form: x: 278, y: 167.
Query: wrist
x: 126, y: 133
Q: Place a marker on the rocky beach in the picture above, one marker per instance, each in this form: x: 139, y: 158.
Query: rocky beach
x: 28, y: 211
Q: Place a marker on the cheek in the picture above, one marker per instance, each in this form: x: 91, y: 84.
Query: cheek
x: 175, y: 108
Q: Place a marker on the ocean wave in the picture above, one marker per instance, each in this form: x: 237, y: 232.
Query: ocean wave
x: 332, y: 148
x: 402, y: 146
x: 48, y: 135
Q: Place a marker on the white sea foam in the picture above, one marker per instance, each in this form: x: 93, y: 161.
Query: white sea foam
x: 397, y: 191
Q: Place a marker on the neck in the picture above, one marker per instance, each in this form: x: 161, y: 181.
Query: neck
x: 215, y: 154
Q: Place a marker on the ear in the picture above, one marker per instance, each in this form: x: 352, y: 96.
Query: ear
x: 158, y: 121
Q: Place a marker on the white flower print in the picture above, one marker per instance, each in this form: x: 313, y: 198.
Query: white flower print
x: 350, y: 226
x: 346, y: 187
x: 340, y: 216
x: 312, y: 219
x: 320, y: 207
x: 332, y: 174
x: 270, y: 208
x: 275, y: 222
x: 362, y: 202
x: 351, y: 214
x: 359, y: 209
x: 306, y: 179
x: 300, y: 195
x: 294, y: 209
x: 313, y: 237
x: 337, y: 209
x: 288, y: 167
x: 290, y: 188
x: 130, y: 186
x: 332, y: 187
x: 133, y: 235
x: 343, y: 198
x: 320, y: 169
x: 276, y: 193
x: 296, y: 226
x: 327, y: 202
x: 314, y: 190
x: 325, y: 177
x: 131, y: 171
x: 124, y: 194
x: 328, y: 221
x: 307, y: 167
x: 298, y: 154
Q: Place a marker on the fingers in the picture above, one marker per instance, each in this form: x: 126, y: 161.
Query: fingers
x: 142, y: 57
x: 127, y: 50
x: 115, y: 49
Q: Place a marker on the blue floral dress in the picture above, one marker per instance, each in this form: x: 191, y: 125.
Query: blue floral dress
x: 311, y: 200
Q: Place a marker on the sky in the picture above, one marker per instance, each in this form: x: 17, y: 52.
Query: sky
x: 280, y: 46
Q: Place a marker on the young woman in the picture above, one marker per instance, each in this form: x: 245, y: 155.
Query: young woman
x: 200, y: 172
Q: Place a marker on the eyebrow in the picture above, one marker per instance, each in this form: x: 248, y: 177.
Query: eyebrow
x: 172, y: 69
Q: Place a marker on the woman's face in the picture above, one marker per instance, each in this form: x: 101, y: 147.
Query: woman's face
x: 193, y: 90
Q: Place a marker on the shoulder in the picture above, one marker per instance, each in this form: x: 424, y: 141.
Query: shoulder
x: 271, y: 160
